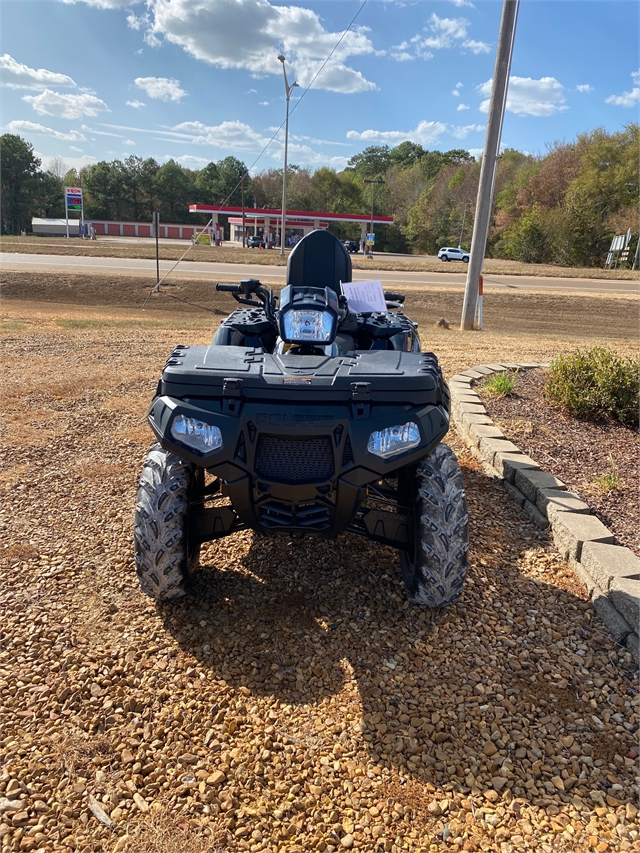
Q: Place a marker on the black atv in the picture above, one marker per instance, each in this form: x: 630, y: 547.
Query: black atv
x: 304, y: 418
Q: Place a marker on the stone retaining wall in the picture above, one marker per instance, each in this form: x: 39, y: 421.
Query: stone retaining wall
x: 611, y: 573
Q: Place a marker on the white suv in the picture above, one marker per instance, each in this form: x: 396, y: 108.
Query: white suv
x: 453, y: 255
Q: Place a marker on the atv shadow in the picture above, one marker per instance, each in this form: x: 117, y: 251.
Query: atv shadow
x: 306, y: 621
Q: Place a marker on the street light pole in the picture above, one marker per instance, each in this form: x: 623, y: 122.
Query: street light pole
x: 244, y: 229
x: 287, y: 89
x: 373, y: 193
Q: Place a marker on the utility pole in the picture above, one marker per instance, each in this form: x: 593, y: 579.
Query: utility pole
x: 288, y: 88
x: 373, y: 181
x: 495, y: 118
x: 244, y: 230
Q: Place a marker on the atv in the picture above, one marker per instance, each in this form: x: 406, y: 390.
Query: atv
x: 304, y: 418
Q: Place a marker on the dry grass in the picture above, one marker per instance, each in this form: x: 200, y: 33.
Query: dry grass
x: 237, y: 255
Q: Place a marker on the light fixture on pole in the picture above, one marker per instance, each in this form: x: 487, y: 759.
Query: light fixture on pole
x: 373, y: 194
x: 287, y: 89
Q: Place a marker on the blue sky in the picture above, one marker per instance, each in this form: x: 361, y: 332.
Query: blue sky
x: 197, y: 80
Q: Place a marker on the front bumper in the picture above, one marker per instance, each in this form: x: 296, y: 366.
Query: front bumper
x: 298, y: 470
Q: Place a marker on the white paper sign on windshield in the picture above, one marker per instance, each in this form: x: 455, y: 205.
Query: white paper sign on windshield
x: 365, y: 296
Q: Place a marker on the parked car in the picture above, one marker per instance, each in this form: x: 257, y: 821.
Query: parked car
x: 256, y: 243
x: 448, y: 254
x: 351, y: 246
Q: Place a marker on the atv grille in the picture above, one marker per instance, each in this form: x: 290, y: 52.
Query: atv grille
x: 313, y: 516
x: 286, y: 461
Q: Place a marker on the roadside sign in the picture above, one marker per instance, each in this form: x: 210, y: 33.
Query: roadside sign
x: 73, y: 198
x: 371, y: 239
x: 73, y: 201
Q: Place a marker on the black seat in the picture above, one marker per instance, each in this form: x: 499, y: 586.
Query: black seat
x: 319, y: 260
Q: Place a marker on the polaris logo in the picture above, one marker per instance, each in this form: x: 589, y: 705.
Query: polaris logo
x: 264, y: 418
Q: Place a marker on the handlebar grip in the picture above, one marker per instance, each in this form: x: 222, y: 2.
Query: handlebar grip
x: 393, y: 297
x: 228, y: 288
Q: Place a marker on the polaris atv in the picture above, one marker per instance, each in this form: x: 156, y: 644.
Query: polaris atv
x: 304, y: 418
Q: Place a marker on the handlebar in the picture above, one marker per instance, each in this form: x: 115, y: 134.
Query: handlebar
x: 393, y: 297
x: 248, y: 288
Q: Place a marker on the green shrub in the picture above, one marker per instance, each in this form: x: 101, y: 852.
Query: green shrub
x: 595, y: 385
x: 500, y: 384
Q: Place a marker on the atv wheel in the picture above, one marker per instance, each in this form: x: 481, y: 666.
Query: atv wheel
x: 434, y: 568
x: 163, y: 555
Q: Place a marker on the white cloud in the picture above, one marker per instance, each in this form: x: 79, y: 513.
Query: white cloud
x: 103, y: 4
x: 316, y: 141
x: 463, y: 3
x: 401, y: 56
x: 137, y: 105
x: 73, y: 148
x: 425, y: 133
x: 188, y: 161
x: 444, y: 33
x: 585, y: 88
x: 456, y: 90
x: 543, y: 97
x: 627, y: 99
x: 101, y: 132
x: 263, y: 103
x: 229, y: 134
x: 135, y: 22
x: 65, y: 106
x: 161, y: 88
x: 461, y: 107
x: 71, y: 162
x: 129, y: 142
x: 400, y: 53
x: 236, y: 136
x: 15, y: 75
x: 476, y: 47
x: 252, y: 92
x: 462, y: 131
x: 30, y: 127
x: 250, y: 34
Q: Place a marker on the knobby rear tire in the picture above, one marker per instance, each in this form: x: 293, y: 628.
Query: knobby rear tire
x: 434, y: 570
x: 163, y: 555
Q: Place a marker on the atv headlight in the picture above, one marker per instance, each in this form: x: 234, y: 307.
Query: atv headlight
x: 196, y: 434
x: 395, y: 439
x: 308, y: 327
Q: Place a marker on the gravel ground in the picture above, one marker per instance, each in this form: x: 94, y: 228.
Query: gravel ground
x: 295, y: 700
x: 598, y: 460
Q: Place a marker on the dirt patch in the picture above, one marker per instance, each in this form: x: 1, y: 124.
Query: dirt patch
x: 598, y: 461
x: 531, y: 315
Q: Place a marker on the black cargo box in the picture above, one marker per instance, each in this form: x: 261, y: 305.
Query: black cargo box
x: 384, y: 376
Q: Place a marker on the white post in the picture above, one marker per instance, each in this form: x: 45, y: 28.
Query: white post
x: 66, y: 211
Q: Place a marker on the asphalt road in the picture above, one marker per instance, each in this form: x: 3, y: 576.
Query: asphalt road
x: 275, y: 275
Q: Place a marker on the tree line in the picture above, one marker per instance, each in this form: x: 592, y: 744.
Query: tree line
x: 563, y: 207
